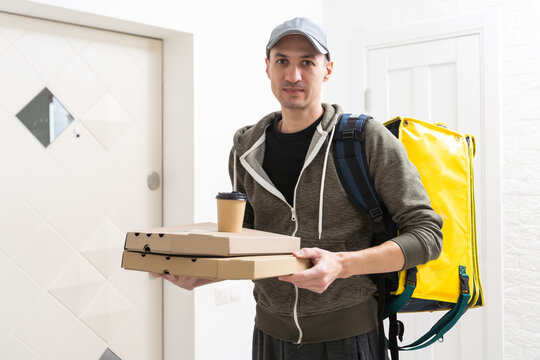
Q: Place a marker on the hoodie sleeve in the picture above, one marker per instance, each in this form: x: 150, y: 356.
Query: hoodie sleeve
x: 248, y: 213
x: 397, y: 183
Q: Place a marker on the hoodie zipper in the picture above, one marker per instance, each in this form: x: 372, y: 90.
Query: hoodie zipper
x: 294, y: 218
x: 293, y: 215
x: 279, y: 195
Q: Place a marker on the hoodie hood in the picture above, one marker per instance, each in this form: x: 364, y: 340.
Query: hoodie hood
x: 247, y: 136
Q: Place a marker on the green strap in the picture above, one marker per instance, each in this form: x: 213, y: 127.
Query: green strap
x: 400, y: 301
x: 405, y: 296
x: 441, y: 327
x: 448, y: 320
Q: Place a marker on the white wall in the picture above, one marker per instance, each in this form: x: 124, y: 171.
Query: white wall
x: 520, y: 126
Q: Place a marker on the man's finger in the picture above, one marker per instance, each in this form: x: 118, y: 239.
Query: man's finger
x: 307, y: 253
x: 309, y: 274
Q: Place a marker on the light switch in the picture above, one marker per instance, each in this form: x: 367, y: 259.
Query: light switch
x: 223, y: 295
x: 236, y: 294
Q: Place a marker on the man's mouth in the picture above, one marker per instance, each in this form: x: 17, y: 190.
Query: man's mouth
x: 293, y: 90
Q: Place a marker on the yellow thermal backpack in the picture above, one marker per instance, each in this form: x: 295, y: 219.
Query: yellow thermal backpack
x: 444, y: 159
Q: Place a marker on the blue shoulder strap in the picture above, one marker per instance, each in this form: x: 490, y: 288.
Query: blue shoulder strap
x: 351, y: 163
x: 352, y: 167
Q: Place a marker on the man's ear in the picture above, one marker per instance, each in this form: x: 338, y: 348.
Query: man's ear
x: 267, y: 61
x: 329, y: 68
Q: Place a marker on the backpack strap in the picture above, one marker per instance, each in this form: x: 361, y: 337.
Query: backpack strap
x: 449, y: 319
x: 351, y: 163
x: 352, y: 166
x: 399, y: 301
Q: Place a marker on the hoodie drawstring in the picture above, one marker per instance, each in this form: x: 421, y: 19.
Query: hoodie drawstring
x: 323, y: 178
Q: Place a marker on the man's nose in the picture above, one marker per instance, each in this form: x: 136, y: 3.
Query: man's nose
x: 294, y: 74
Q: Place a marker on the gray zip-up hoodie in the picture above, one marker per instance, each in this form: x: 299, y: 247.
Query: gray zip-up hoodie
x: 323, y: 216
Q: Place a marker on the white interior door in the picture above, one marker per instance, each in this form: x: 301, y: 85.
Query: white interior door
x: 436, y: 81
x: 73, y: 180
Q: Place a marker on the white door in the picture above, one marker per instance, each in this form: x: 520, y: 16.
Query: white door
x: 435, y: 81
x: 80, y: 130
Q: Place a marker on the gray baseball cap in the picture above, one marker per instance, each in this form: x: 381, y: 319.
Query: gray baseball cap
x: 301, y: 26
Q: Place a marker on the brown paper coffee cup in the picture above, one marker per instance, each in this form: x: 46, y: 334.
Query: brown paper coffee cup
x: 230, y: 211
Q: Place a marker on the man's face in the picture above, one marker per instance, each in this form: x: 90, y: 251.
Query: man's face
x: 296, y: 72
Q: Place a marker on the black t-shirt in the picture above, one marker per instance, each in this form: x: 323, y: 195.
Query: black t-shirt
x: 284, y: 156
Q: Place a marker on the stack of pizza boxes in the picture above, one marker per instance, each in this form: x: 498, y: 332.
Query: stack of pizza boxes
x: 199, y: 250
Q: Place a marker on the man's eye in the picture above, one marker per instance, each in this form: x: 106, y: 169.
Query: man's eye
x: 308, y: 62
x: 281, y: 61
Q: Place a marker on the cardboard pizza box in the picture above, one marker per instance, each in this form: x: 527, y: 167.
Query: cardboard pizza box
x: 204, y: 239
x: 227, y: 268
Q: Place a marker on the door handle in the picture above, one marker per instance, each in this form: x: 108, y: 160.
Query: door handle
x: 153, y: 180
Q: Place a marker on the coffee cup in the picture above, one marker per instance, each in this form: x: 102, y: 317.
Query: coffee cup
x: 230, y: 209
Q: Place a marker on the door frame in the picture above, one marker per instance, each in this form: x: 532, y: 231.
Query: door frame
x: 486, y: 25
x: 177, y: 142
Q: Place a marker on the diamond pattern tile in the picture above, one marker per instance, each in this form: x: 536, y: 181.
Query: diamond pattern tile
x: 3, y: 333
x: 24, y: 82
x: 77, y: 72
x: 132, y: 90
x: 17, y: 218
x: 133, y: 152
x: 108, y: 60
x: 104, y: 248
x: 4, y: 43
x: 19, y: 292
x: 13, y: 348
x: 126, y: 216
x: 136, y: 288
x: 79, y: 343
x: 78, y: 43
x: 77, y: 216
x: 145, y: 60
x: 31, y: 164
x: 107, y: 312
x: 88, y: 163
x: 137, y: 51
x: 77, y: 285
x: 107, y: 120
x: 11, y: 30
x: 44, y: 255
x: 3, y: 260
x: 45, y: 324
x: 33, y: 45
x: 5, y: 116
x: 139, y: 326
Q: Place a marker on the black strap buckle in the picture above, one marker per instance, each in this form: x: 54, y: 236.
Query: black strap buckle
x: 411, y: 276
x: 376, y: 214
x: 350, y: 134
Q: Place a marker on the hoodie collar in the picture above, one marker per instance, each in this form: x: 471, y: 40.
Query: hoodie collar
x: 247, y: 136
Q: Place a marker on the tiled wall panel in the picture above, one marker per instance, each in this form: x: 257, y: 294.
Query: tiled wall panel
x: 66, y: 203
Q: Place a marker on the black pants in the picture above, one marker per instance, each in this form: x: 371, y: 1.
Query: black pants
x: 361, y: 347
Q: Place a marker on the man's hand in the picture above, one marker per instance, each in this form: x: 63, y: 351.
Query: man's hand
x: 185, y: 282
x: 329, y: 266
x: 326, y: 268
